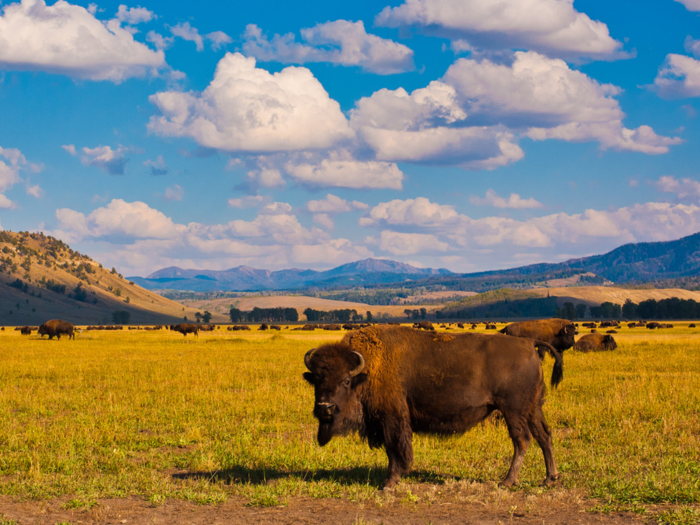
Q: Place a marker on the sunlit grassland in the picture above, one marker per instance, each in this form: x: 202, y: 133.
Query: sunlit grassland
x: 154, y: 414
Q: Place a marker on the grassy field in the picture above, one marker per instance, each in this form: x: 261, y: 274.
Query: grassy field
x: 153, y: 414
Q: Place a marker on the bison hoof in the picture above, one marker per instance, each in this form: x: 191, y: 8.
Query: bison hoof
x: 550, y: 481
x: 506, y: 484
x: 389, y: 485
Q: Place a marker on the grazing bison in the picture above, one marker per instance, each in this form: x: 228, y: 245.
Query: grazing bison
x: 424, y: 325
x: 387, y: 383
x: 595, y: 343
x: 25, y: 330
x: 186, y: 328
x: 557, y: 332
x: 692, y: 325
x: 56, y: 327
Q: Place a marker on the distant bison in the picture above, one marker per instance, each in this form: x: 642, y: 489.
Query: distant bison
x: 595, y: 343
x: 56, y: 327
x: 185, y: 328
x: 692, y: 325
x: 387, y: 383
x: 557, y: 332
x: 25, y: 330
x: 424, y: 325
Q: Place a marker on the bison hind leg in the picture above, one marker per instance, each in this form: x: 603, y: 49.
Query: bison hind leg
x: 520, y: 436
x: 542, y: 433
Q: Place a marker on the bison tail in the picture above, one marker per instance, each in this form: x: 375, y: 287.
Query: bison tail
x: 558, y: 370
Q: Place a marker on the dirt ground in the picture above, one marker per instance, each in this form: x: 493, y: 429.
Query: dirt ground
x: 560, y: 508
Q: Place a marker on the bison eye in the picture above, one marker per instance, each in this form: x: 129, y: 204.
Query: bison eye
x: 346, y: 383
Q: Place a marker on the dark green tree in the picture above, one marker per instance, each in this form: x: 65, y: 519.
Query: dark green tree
x: 581, y: 310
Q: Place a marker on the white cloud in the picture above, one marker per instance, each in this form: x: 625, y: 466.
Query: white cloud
x: 324, y: 220
x: 251, y: 201
x: 415, y: 212
x: 410, y: 243
x: 341, y: 172
x: 276, y: 208
x: 552, y: 27
x: 70, y: 148
x: 333, y: 253
x: 218, y: 39
x: 105, y: 158
x: 67, y: 39
x: 683, y: 188
x: 158, y: 166
x: 161, y: 42
x: 134, y: 15
x: 10, y: 175
x: 513, y: 202
x: 245, y: 108
x: 691, y: 5
x: 189, y: 33
x: 334, y: 204
x: 120, y: 219
x: 678, y: 77
x: 173, y: 193
x: 339, y: 42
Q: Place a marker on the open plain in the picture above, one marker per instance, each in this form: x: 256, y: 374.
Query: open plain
x: 150, y: 427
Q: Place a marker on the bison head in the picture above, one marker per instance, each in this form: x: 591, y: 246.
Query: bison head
x: 565, y: 337
x: 609, y: 343
x: 336, y: 373
x: 42, y: 330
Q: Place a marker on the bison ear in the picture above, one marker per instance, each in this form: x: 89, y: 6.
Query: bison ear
x: 309, y: 377
x: 359, y: 379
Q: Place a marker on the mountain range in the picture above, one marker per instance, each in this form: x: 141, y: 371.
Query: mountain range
x: 245, y: 278
x: 631, y: 263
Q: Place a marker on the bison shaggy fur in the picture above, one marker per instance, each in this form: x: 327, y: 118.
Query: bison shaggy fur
x: 388, y: 382
x: 56, y: 327
x: 557, y: 332
x: 595, y: 343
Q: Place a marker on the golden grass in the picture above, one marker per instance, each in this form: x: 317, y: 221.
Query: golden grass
x: 114, y: 414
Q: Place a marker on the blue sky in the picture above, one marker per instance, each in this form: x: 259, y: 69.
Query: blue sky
x: 464, y: 134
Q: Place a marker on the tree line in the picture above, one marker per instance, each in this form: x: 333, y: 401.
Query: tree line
x: 259, y: 315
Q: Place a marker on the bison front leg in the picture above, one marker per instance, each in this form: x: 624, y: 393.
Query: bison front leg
x: 398, y: 443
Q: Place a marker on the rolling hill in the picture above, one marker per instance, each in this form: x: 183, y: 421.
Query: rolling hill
x: 42, y: 278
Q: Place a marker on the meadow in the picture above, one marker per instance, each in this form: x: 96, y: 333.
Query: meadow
x: 159, y: 416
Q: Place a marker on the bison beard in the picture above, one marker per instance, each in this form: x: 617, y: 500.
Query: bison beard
x: 387, y: 383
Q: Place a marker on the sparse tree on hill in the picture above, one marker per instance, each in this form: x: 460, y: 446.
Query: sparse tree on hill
x: 206, y: 316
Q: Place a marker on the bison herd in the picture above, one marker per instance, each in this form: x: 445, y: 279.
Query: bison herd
x: 387, y: 382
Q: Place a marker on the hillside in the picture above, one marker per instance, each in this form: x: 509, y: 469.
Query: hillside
x: 245, y: 278
x: 50, y: 280
x: 595, y: 295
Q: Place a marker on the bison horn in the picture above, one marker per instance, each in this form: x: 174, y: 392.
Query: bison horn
x: 360, y: 367
x: 307, y: 359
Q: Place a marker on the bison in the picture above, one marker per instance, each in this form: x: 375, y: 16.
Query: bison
x: 387, y: 383
x: 424, y: 325
x: 595, y: 343
x: 56, y: 327
x: 25, y: 330
x: 185, y: 328
x: 557, y: 332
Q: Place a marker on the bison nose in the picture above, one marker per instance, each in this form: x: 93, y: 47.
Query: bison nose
x: 325, y: 409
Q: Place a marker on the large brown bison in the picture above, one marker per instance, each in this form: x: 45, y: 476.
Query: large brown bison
x: 595, y: 343
x: 56, y: 327
x: 557, y: 332
x: 387, y: 383
x: 186, y: 328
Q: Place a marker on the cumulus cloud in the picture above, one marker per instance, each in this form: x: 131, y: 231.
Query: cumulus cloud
x: 334, y: 204
x: 684, y: 188
x: 14, y: 163
x: 324, y: 220
x: 189, y: 33
x: 174, y: 193
x: 551, y: 99
x: 218, y: 40
x: 120, y: 219
x: 245, y: 108
x: 691, y: 5
x: 158, y: 166
x: 333, y: 252
x: 513, y: 202
x: 552, y: 27
x: 412, y: 212
x: 410, y: 243
x: 342, y: 172
x: 105, y: 158
x: 251, y: 201
x: 67, y: 39
x: 134, y: 15
x: 70, y: 148
x: 678, y: 77
x: 339, y: 42
x: 185, y: 31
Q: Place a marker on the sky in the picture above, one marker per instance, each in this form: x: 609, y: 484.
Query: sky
x: 462, y: 134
